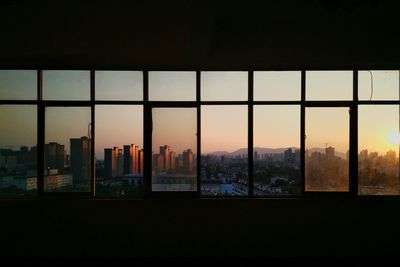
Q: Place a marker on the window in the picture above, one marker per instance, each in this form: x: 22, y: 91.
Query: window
x: 378, y: 85
x: 119, y: 150
x: 119, y: 85
x: 277, y: 85
x: 18, y: 84
x: 66, y: 85
x: 379, y: 147
x: 224, y: 160
x: 67, y: 149
x: 208, y: 133
x: 327, y: 149
x: 172, y: 86
x: 18, y: 152
x: 224, y: 85
x: 329, y: 85
x: 174, y: 149
x: 276, y: 151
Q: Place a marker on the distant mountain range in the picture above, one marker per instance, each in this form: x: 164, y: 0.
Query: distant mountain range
x: 266, y: 150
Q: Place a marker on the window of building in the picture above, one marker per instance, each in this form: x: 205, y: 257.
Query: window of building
x: 224, y: 85
x: 276, y: 151
x: 327, y: 149
x: 18, y: 84
x: 119, y: 85
x: 224, y: 160
x: 18, y: 150
x: 66, y: 85
x: 119, y: 150
x: 67, y: 149
x: 378, y: 148
x: 329, y: 85
x: 172, y: 86
x: 174, y: 149
x: 277, y: 85
x: 210, y: 133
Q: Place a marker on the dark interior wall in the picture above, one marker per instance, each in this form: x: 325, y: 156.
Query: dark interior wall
x: 200, y: 35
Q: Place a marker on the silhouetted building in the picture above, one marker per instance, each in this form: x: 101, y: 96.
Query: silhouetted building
x: 188, y: 160
x: 165, y: 152
x: 141, y: 161
x: 113, y: 162
x: 131, y: 159
x: 172, y: 158
x: 54, y: 156
x: 80, y: 160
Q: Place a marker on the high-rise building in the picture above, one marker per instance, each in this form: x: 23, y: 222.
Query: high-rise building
x: 188, y: 160
x: 165, y: 152
x: 158, y: 162
x: 131, y: 159
x: 80, y: 159
x: 113, y: 162
x: 141, y: 160
x: 330, y: 152
x: 54, y: 156
x: 172, y: 160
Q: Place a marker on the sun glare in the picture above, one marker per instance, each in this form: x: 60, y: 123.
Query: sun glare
x: 394, y: 138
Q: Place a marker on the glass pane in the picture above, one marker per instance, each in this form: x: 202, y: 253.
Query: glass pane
x: 378, y: 147
x: 327, y: 149
x: 224, y: 167
x: 18, y: 150
x: 66, y: 85
x: 172, y: 85
x: 378, y: 85
x: 224, y: 85
x: 119, y: 85
x: 277, y: 85
x: 18, y: 84
x: 329, y: 85
x: 276, y: 150
x: 119, y: 151
x: 174, y: 149
x: 67, y: 149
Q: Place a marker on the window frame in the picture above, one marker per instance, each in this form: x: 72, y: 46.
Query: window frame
x: 250, y: 102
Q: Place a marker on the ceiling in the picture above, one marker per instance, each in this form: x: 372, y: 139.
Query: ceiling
x: 285, y: 34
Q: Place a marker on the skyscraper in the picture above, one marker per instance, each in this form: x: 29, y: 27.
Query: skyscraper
x: 80, y: 159
x: 131, y: 159
x: 113, y: 162
x: 54, y: 156
x: 172, y: 160
x: 165, y: 152
x: 188, y: 160
x: 141, y: 160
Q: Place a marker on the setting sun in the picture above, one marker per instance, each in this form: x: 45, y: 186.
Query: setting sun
x: 394, y: 138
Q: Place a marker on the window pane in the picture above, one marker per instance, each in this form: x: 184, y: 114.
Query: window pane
x: 224, y: 85
x: 378, y: 85
x: 18, y: 150
x: 224, y: 169
x: 277, y: 85
x: 327, y: 146
x: 66, y: 85
x: 18, y: 84
x: 378, y: 146
x: 172, y: 86
x: 174, y: 149
x: 276, y: 150
x: 329, y: 85
x: 119, y: 151
x: 67, y: 149
x: 119, y: 85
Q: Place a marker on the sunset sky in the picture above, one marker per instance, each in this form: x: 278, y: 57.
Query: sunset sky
x: 223, y: 127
